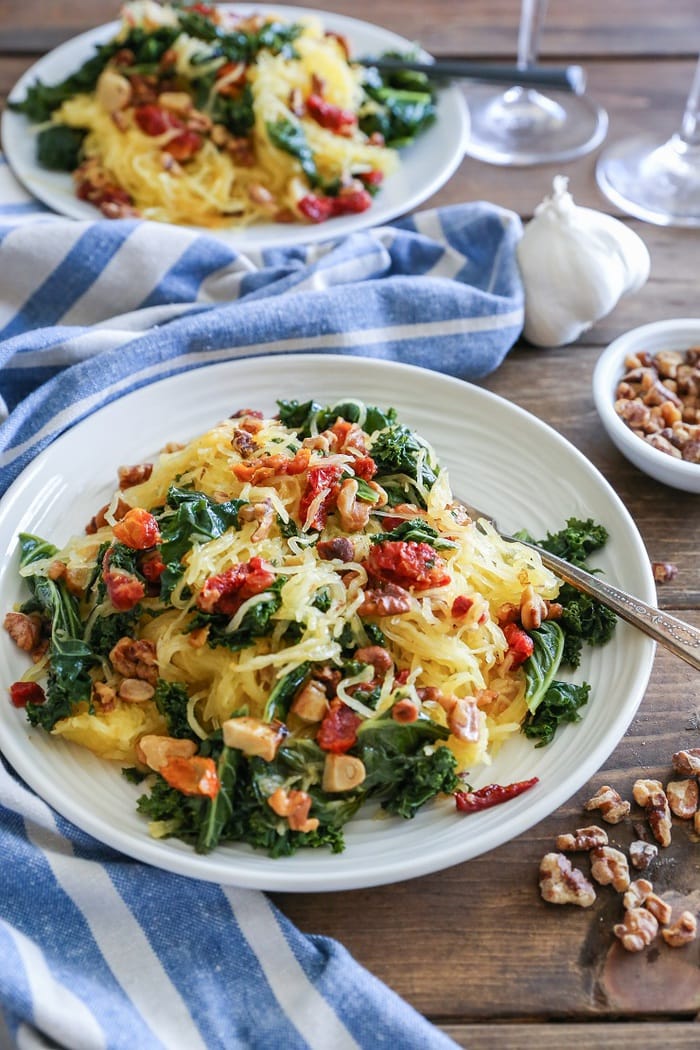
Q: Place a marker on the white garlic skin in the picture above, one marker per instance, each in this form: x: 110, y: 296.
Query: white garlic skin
x: 576, y: 263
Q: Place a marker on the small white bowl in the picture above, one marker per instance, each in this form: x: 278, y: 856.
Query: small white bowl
x: 678, y: 334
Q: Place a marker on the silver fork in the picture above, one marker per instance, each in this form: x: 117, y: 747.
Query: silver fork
x: 680, y: 638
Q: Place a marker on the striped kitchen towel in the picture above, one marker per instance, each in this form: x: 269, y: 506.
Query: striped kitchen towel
x: 98, y: 950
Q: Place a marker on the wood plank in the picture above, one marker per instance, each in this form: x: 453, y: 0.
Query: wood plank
x: 480, y: 27
x: 624, y: 1036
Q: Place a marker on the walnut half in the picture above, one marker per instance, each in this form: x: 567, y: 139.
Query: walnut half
x: 560, y: 883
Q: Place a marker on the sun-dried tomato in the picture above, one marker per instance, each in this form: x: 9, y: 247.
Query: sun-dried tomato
x: 23, y: 693
x: 226, y: 593
x: 259, y: 470
x: 520, y: 644
x: 461, y: 606
x: 315, y: 208
x: 364, y: 467
x: 372, y: 178
x: 192, y: 776
x: 491, y: 795
x: 338, y: 730
x: 184, y: 146
x: 152, y: 566
x: 408, y: 564
x: 154, y: 120
x: 323, y: 484
x: 333, y: 118
x: 351, y: 203
x: 124, y: 590
x: 137, y: 529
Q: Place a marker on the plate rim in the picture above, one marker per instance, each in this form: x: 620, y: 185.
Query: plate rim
x: 14, y: 126
x: 183, y: 860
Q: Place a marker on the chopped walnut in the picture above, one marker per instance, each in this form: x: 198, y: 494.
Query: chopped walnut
x: 687, y: 762
x: 637, y: 893
x: 609, y: 867
x: 583, y: 839
x: 683, y: 931
x: 560, y: 883
x: 682, y: 797
x: 135, y: 659
x: 641, y: 893
x: 135, y: 475
x: 664, y: 571
x: 696, y: 822
x: 643, y: 853
x: 637, y: 929
x: 610, y: 804
x: 25, y: 631
x: 651, y: 796
x: 104, y: 696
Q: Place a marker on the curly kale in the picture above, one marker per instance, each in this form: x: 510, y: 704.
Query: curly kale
x: 171, y: 700
x: 302, y: 416
x: 559, y: 704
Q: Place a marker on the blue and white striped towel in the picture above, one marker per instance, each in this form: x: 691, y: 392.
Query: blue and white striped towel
x: 98, y: 950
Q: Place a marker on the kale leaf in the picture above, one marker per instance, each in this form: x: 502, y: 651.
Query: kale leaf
x: 196, y: 517
x: 58, y: 147
x: 541, y: 667
x: 288, y: 135
x: 403, y: 103
x: 560, y: 704
x: 171, y: 700
x: 303, y: 415
x: 416, y: 530
x: 401, y: 459
x: 69, y: 682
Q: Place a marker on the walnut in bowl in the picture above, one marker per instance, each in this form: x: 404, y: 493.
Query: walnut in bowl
x: 646, y: 387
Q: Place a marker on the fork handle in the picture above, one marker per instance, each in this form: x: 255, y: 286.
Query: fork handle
x: 680, y: 638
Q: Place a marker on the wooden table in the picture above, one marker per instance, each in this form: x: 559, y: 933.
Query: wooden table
x: 474, y: 948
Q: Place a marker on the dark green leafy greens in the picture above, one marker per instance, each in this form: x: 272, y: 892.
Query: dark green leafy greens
x: 559, y: 704
x: 403, y: 103
x: 257, y: 621
x: 416, y: 530
x: 302, y: 416
x: 405, y: 769
x: 58, y: 147
x: 404, y: 464
x: 69, y: 681
x: 289, y: 135
x: 171, y: 700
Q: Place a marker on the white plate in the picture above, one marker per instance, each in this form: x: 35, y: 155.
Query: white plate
x: 425, y: 166
x: 498, y: 456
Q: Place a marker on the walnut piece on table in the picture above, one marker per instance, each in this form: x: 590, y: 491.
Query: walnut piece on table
x: 650, y: 795
x: 609, y: 802
x: 583, y: 839
x: 560, y: 883
x: 637, y: 930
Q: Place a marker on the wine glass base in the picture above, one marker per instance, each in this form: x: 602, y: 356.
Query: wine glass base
x: 524, y: 127
x: 657, y: 182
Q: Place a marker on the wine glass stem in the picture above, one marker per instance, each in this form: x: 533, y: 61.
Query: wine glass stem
x: 690, y: 125
x: 532, y: 15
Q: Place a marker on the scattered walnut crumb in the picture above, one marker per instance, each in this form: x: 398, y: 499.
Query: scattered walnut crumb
x: 687, y: 762
x: 651, y: 796
x: 664, y: 571
x: 609, y: 867
x: 583, y: 839
x: 642, y: 854
x: 637, y: 929
x: 682, y: 797
x: 610, y: 804
x: 560, y: 883
x: 683, y: 931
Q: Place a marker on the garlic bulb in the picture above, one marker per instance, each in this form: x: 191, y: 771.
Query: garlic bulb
x: 576, y: 263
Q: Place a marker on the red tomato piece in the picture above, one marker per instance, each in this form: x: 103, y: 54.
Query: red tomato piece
x: 153, y: 120
x: 338, y: 730
x: 520, y: 644
x: 23, y: 693
x: 372, y: 178
x: 124, y: 590
x: 315, y: 208
x: 259, y: 470
x: 491, y: 795
x: 461, y: 606
x: 408, y: 564
x: 333, y: 118
x: 137, y: 529
x: 364, y: 467
x: 184, y: 146
x: 323, y: 482
x: 192, y: 776
x: 152, y: 566
x: 351, y: 203
x: 226, y: 593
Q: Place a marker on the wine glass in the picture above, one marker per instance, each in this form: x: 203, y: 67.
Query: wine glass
x: 658, y: 181
x: 523, y: 126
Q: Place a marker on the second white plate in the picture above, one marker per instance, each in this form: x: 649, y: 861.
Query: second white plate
x: 425, y: 166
